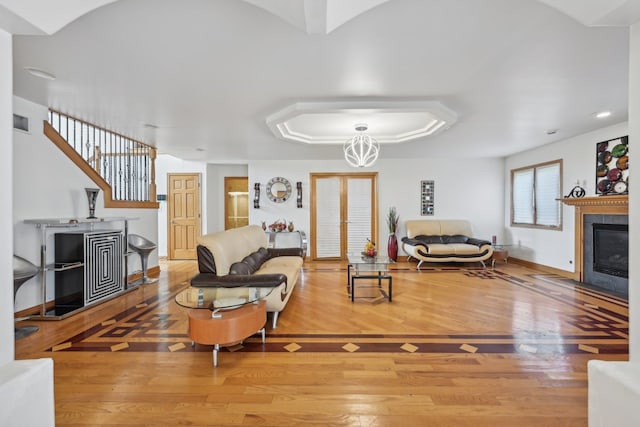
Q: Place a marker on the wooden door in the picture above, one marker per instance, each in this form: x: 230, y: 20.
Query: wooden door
x: 183, y: 217
x: 236, y: 202
x: 343, y: 213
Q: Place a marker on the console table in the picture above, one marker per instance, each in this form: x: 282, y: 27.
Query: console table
x: 82, y: 278
x: 288, y: 239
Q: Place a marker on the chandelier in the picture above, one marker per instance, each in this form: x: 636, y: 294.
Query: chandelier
x: 361, y: 151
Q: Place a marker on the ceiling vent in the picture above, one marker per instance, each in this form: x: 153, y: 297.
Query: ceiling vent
x: 21, y: 123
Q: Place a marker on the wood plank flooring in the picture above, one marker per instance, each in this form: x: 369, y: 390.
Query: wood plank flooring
x: 458, y: 346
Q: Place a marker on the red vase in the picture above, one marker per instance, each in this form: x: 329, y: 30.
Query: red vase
x: 392, y: 247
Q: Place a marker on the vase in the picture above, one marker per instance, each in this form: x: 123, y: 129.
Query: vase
x: 92, y: 195
x: 392, y: 247
x: 290, y: 228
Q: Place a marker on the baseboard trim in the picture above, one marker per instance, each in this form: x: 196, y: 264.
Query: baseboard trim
x: 545, y: 268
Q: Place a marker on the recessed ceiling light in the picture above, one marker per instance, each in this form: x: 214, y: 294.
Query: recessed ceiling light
x: 552, y: 131
x: 200, y: 149
x: 150, y: 126
x: 40, y: 73
x: 603, y: 114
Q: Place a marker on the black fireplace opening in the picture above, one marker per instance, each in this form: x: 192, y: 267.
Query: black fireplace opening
x: 611, y: 249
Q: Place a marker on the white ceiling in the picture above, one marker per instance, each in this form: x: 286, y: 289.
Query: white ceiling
x: 208, y: 73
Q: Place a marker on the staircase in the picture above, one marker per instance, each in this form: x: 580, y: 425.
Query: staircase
x: 122, y: 167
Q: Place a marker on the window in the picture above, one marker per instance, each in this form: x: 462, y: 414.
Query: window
x: 535, y: 196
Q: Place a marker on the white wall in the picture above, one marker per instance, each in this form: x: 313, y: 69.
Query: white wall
x: 634, y: 198
x: 465, y: 189
x: 6, y: 226
x: 550, y: 247
x: 46, y: 184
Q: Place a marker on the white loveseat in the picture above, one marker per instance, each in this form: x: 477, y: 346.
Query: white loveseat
x: 431, y: 240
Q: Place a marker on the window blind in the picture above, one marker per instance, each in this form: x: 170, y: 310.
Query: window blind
x: 547, y: 191
x: 536, y: 191
x: 358, y: 214
x: 328, y: 196
x: 523, y: 207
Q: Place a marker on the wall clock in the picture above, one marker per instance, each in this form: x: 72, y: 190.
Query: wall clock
x: 278, y: 189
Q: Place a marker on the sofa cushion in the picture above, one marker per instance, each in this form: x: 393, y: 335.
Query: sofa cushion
x: 233, y: 245
x: 453, y: 227
x: 464, y: 249
x: 422, y: 227
x: 255, y: 260
x: 287, y: 265
x: 428, y: 239
x: 240, y: 267
x: 454, y: 239
x: 452, y: 249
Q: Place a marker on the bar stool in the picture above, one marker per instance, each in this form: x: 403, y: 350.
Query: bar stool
x: 23, y: 270
x: 143, y: 247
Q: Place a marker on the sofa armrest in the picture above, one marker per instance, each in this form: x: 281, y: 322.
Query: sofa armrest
x: 422, y: 248
x: 276, y: 252
x: 209, y: 280
x: 412, y: 242
x: 478, y: 242
x: 415, y: 242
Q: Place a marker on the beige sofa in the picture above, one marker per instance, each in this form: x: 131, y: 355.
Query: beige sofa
x: 430, y: 240
x: 239, y: 258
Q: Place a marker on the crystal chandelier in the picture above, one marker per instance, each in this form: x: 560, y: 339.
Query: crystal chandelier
x: 361, y: 151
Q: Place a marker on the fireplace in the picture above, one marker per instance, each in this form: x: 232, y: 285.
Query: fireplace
x: 606, y: 253
x: 598, y: 210
x: 611, y: 249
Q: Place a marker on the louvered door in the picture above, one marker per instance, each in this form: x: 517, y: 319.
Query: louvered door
x: 343, y: 213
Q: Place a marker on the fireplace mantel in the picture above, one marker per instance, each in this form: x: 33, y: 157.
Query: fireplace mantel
x: 599, y: 205
x: 600, y: 201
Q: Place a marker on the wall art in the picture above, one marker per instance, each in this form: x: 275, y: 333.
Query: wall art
x: 612, y: 167
x: 426, y: 198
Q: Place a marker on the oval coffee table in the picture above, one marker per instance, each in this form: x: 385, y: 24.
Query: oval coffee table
x: 219, y: 319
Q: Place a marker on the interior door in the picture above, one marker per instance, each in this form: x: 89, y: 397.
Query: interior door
x: 343, y: 213
x: 183, y: 206
x: 236, y: 202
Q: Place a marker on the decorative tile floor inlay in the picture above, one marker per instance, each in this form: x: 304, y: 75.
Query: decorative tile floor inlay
x: 119, y: 347
x: 350, y: 347
x: 63, y: 346
x: 293, y: 347
x: 409, y: 347
x: 176, y: 347
x: 598, y: 327
x: 468, y: 348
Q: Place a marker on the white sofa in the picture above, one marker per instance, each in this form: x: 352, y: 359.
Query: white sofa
x: 239, y: 258
x: 430, y: 240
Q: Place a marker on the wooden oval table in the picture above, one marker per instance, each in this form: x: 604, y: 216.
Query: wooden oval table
x: 226, y: 327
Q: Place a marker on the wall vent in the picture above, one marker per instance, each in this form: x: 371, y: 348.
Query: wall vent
x: 21, y: 123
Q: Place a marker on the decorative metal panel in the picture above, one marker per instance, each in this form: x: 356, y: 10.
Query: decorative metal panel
x: 103, y: 252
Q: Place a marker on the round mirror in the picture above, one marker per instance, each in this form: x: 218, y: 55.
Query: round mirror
x: 278, y: 189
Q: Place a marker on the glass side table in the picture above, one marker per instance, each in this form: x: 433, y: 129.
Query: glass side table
x: 365, y: 267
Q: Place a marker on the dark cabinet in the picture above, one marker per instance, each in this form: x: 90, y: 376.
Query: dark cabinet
x: 89, y: 267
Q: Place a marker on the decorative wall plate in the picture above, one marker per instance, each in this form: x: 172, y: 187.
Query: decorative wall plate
x: 620, y: 187
x: 612, y: 166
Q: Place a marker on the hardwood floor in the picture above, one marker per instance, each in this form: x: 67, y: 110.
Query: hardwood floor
x: 458, y: 346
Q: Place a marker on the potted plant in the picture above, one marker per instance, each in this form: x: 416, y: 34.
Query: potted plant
x: 392, y: 223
